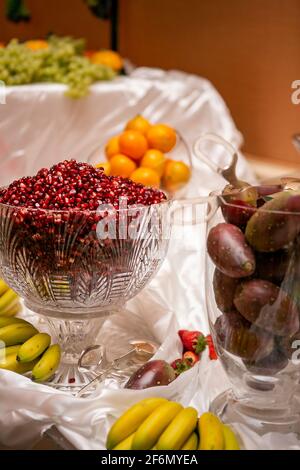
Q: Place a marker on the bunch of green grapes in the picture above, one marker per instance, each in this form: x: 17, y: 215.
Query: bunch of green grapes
x: 61, y: 62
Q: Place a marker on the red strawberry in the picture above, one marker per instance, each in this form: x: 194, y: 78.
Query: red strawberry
x: 192, y: 340
x: 180, y: 365
x: 175, y: 363
x: 211, y: 348
x: 191, y: 357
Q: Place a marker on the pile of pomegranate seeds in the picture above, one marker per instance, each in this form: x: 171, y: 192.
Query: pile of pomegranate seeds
x: 78, y: 186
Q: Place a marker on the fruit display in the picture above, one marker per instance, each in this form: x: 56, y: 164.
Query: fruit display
x: 23, y: 349
x: 255, y: 282
x: 159, y: 372
x: 56, y: 60
x: 78, y: 189
x: 160, y: 424
x: 76, y: 241
x: 141, y: 153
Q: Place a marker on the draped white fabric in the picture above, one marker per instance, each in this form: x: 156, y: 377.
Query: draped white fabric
x: 38, y: 127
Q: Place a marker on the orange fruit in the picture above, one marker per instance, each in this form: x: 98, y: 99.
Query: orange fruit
x: 154, y: 159
x: 37, y: 44
x: 138, y: 123
x: 106, y: 167
x: 133, y: 144
x: 112, y: 147
x: 146, y: 176
x: 121, y: 165
x: 2, y: 45
x: 176, y: 175
x: 109, y: 58
x: 161, y: 137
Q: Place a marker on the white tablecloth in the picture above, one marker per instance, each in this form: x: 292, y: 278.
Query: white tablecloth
x: 39, y: 126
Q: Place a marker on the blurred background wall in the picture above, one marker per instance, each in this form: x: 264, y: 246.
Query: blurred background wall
x: 249, y: 49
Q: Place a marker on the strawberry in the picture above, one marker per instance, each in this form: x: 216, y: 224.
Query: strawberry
x: 211, y: 348
x: 191, y: 357
x: 180, y: 365
x: 192, y: 340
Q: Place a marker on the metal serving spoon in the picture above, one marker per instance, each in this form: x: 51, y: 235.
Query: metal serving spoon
x: 141, y: 349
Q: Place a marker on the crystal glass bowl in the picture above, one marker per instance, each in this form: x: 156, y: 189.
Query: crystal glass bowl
x: 76, y: 267
x: 253, y: 302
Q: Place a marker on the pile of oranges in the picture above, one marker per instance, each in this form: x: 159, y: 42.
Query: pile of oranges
x: 139, y: 153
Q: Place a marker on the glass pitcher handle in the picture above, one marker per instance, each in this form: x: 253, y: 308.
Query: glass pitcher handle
x: 179, y: 210
x: 210, y: 137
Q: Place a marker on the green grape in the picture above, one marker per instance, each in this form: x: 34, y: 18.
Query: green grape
x: 62, y: 62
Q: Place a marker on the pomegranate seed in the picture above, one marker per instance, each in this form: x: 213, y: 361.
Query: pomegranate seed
x: 54, y: 187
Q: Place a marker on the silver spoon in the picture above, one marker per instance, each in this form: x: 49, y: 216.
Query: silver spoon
x: 141, y: 349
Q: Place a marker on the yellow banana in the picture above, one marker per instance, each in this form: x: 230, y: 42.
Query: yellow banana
x: 191, y: 443
x: 34, y: 347
x: 7, y: 300
x: 210, y: 432
x: 10, y: 363
x: 47, y: 365
x: 4, y: 321
x: 176, y: 434
x: 230, y: 440
x: 12, y: 310
x: 16, y: 333
x: 150, y: 430
x: 4, y: 352
x: 3, y: 287
x: 129, y: 422
x: 126, y: 444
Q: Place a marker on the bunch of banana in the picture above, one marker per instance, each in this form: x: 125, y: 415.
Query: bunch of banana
x: 24, y: 349
x: 159, y: 424
x: 9, y: 301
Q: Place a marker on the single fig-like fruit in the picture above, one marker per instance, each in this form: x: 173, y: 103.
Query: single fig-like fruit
x: 224, y: 289
x: 237, y: 336
x: 228, y: 249
x: 152, y: 374
x: 269, y: 307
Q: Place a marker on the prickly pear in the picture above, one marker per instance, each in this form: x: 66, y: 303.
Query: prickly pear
x: 237, y: 336
x: 269, y: 307
x: 268, y: 189
x: 276, y: 223
x: 224, y: 289
x: 229, y: 251
x: 240, y: 192
x: 151, y: 374
x: 272, y: 266
x: 237, y: 212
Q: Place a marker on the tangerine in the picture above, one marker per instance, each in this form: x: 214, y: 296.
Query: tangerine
x: 154, y: 159
x: 146, y: 176
x: 112, y: 147
x: 176, y: 175
x: 161, y: 137
x: 109, y: 58
x: 121, y: 165
x: 133, y: 144
x: 138, y: 123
